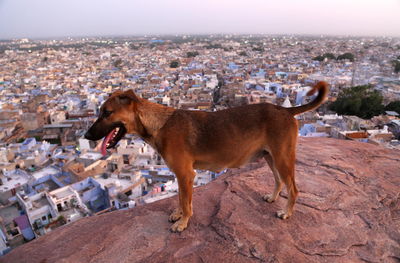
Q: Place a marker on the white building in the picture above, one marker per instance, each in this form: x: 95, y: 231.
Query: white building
x: 87, y: 145
x: 40, y: 210
x: 68, y: 203
x: 11, y: 183
x: 57, y: 116
x: 287, y: 103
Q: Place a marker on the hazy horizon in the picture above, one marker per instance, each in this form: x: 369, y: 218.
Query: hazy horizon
x: 89, y: 18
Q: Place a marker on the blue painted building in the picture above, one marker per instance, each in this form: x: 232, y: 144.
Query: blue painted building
x: 92, y: 194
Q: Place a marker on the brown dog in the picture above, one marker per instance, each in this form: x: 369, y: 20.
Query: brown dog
x: 189, y: 140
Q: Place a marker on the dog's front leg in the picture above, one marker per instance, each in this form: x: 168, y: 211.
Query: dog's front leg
x: 184, y: 212
x: 175, y: 215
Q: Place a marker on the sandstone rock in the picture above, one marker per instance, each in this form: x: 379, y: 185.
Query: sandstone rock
x: 348, y: 210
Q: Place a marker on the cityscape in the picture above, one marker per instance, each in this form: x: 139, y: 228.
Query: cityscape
x: 51, y: 91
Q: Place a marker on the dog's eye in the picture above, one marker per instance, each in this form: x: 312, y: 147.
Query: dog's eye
x: 106, y: 113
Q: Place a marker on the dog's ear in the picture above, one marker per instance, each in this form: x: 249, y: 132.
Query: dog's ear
x: 127, y: 97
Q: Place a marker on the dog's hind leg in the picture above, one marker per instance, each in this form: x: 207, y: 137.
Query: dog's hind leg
x: 185, y: 175
x: 278, y: 182
x: 284, y: 164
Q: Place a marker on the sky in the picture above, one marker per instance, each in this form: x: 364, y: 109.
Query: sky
x: 63, y: 18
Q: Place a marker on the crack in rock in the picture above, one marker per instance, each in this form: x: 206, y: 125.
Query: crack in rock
x: 332, y: 253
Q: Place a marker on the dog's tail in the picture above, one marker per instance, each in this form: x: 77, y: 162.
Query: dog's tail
x: 322, y: 88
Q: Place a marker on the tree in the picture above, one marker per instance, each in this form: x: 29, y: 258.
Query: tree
x: 396, y: 65
x: 174, y: 64
x: 362, y: 101
x: 329, y: 56
x: 259, y: 49
x: 348, y: 56
x: 134, y: 46
x: 192, y: 54
x: 213, y: 46
x: 62, y: 220
x: 393, y: 106
x: 118, y: 63
x: 326, y: 55
x: 319, y: 58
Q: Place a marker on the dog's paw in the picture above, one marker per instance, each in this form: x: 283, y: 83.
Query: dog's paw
x: 269, y: 198
x: 282, y: 214
x: 179, y: 225
x: 175, y: 215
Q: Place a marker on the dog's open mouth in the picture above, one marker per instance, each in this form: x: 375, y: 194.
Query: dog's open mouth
x: 112, y: 138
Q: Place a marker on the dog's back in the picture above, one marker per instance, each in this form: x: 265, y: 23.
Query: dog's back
x: 228, y: 138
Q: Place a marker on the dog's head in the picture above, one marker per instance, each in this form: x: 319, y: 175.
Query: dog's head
x: 116, y: 118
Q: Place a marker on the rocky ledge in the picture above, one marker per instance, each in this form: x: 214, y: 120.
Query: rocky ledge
x: 348, y: 210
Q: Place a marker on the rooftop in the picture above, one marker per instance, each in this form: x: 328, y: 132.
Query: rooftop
x: 48, y: 185
x: 13, y: 181
x: 120, y: 184
x: 91, y: 155
x: 8, y: 213
x: 45, y: 172
x: 62, y: 192
x: 54, y: 126
x: 40, y: 202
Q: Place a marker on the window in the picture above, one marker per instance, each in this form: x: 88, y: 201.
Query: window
x: 37, y: 224
x: 126, y: 158
x: 44, y: 218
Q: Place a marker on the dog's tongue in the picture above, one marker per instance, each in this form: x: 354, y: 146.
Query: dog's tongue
x: 105, y: 141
